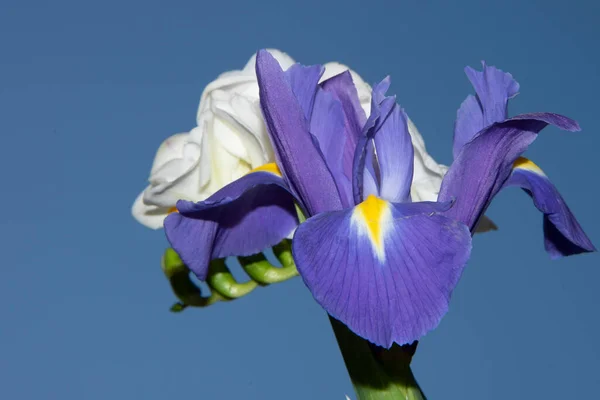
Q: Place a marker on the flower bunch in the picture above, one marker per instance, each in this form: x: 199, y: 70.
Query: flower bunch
x: 375, y: 244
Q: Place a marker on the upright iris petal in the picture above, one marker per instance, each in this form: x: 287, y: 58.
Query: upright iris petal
x: 328, y: 127
x: 494, y: 88
x: 363, y: 171
x: 395, y: 154
x: 302, y: 164
x: 342, y: 88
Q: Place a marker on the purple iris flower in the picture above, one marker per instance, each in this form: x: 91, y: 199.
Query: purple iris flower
x: 487, y: 157
x: 384, y: 266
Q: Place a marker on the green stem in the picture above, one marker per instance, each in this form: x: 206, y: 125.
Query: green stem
x: 221, y: 280
x: 377, y: 373
x: 261, y: 270
x: 186, y: 291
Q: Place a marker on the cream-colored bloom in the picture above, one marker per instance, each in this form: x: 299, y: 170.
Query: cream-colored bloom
x: 230, y: 139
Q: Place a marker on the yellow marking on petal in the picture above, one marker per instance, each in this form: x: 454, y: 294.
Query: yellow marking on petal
x: 270, y: 167
x: 172, y: 210
x: 372, y: 217
x: 528, y: 165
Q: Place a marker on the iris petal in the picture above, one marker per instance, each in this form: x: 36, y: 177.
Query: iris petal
x: 381, y: 107
x: 395, y: 156
x: 494, y: 88
x: 303, y: 80
x: 303, y: 165
x: 328, y: 126
x: 243, y: 218
x: 342, y: 88
x: 563, y: 236
x: 485, y: 163
x: 469, y: 121
x: 385, y: 270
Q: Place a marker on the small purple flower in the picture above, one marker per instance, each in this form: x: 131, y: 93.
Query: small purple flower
x: 382, y: 265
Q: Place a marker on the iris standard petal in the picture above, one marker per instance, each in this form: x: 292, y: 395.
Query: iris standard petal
x: 395, y: 156
x: 386, y: 271
x: 304, y: 80
x: 563, y: 236
x: 494, y: 88
x: 485, y: 163
x: 363, y: 162
x: 303, y: 166
x: 242, y: 218
x: 329, y: 129
x: 342, y: 88
x: 469, y: 121
x: 370, y: 172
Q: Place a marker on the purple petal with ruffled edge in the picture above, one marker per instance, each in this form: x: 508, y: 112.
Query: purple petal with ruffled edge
x: 385, y: 270
x: 304, y: 80
x: 395, y: 156
x: 563, y: 236
x: 494, y: 88
x: 342, y: 88
x: 485, y: 163
x: 301, y: 161
x: 243, y: 218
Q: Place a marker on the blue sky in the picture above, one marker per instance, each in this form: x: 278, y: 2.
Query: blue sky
x: 89, y: 90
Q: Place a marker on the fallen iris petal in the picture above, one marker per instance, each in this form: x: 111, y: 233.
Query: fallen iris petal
x: 485, y: 163
x: 243, y: 218
x: 385, y: 270
x: 563, y: 236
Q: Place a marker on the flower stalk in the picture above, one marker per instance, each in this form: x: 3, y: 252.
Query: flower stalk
x: 377, y: 373
x: 262, y: 271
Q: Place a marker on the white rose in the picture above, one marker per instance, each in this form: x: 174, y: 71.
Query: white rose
x: 231, y: 139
